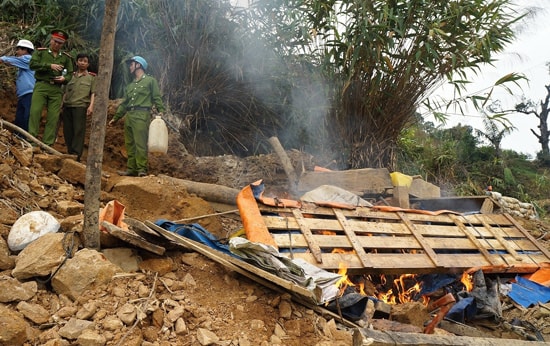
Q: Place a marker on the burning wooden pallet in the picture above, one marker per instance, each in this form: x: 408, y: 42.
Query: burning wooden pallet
x: 367, y: 240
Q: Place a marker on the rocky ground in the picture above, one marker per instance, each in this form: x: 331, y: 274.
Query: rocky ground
x: 179, y: 298
x: 216, y: 305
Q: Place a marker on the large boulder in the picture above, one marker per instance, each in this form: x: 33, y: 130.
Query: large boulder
x: 87, y: 270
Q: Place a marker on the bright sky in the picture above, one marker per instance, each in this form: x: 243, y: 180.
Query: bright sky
x: 527, y: 55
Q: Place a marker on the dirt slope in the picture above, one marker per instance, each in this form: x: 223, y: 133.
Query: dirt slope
x: 237, y: 310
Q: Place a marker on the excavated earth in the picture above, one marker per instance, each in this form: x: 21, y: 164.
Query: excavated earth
x: 235, y: 309
x: 218, y: 302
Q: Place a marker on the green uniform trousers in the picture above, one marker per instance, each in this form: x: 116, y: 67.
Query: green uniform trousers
x: 49, y: 95
x: 74, y: 129
x: 136, y: 134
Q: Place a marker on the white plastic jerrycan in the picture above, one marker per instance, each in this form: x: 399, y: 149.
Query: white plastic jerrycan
x: 158, y: 136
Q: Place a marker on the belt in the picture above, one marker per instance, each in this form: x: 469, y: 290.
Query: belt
x: 51, y: 82
x: 139, y: 108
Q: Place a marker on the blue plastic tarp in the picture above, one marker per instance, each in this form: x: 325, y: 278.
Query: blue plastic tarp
x: 526, y: 292
x: 195, y: 232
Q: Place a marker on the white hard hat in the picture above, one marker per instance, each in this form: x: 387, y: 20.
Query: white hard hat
x: 25, y: 43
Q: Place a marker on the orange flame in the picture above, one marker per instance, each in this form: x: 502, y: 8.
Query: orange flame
x: 344, y: 281
x: 404, y: 293
x: 343, y: 251
x: 466, y: 279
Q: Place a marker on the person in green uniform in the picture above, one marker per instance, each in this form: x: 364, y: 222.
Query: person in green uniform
x: 52, y: 69
x: 140, y: 96
x: 78, y: 103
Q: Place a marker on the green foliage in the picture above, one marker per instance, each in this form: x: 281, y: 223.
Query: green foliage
x: 384, y: 58
x: 472, y: 167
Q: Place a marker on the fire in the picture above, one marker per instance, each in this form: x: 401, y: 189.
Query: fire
x: 344, y: 281
x: 466, y: 279
x: 404, y: 288
x: 343, y: 252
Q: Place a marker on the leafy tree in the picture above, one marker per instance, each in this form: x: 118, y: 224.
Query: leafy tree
x: 387, y: 56
x: 494, y: 134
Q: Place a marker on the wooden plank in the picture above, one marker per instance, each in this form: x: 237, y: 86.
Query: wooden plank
x: 360, y: 181
x: 308, y: 236
x: 502, y: 241
x: 473, y: 239
x: 398, y: 263
x: 419, y: 238
x: 372, y: 241
x: 487, y: 207
x: 275, y: 223
x: 400, y: 197
x: 257, y: 274
x: 406, y: 244
x: 527, y: 235
x: 352, y: 237
x: 365, y: 213
x: 132, y: 238
x: 388, y: 337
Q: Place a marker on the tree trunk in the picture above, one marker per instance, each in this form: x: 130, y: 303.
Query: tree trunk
x: 543, y: 124
x: 90, y: 233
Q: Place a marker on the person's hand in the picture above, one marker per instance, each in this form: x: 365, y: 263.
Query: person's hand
x: 56, y: 67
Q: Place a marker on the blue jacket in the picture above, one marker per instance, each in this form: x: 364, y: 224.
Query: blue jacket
x: 24, y: 83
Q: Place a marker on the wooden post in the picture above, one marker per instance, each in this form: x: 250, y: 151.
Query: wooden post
x: 285, y: 161
x: 401, y: 197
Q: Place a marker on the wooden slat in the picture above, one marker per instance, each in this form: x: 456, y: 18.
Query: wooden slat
x: 352, y: 237
x: 398, y: 263
x: 501, y: 240
x: 252, y: 272
x: 406, y: 244
x: 275, y: 223
x: 473, y: 239
x: 419, y: 238
x: 375, y: 241
x: 315, y: 250
x: 132, y: 238
x: 369, y: 214
x: 527, y: 235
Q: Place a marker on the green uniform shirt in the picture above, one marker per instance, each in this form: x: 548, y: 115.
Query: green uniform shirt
x: 79, y: 90
x: 144, y: 92
x: 41, y: 62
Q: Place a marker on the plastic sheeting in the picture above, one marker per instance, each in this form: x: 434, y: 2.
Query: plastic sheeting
x: 526, y: 292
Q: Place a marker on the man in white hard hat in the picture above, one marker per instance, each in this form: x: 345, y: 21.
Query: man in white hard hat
x: 24, y: 84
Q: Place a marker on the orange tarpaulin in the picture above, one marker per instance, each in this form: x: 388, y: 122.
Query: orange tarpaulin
x: 254, y: 226
x: 541, y: 276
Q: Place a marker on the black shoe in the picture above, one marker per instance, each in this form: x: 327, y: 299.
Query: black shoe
x: 142, y: 174
x: 127, y: 173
